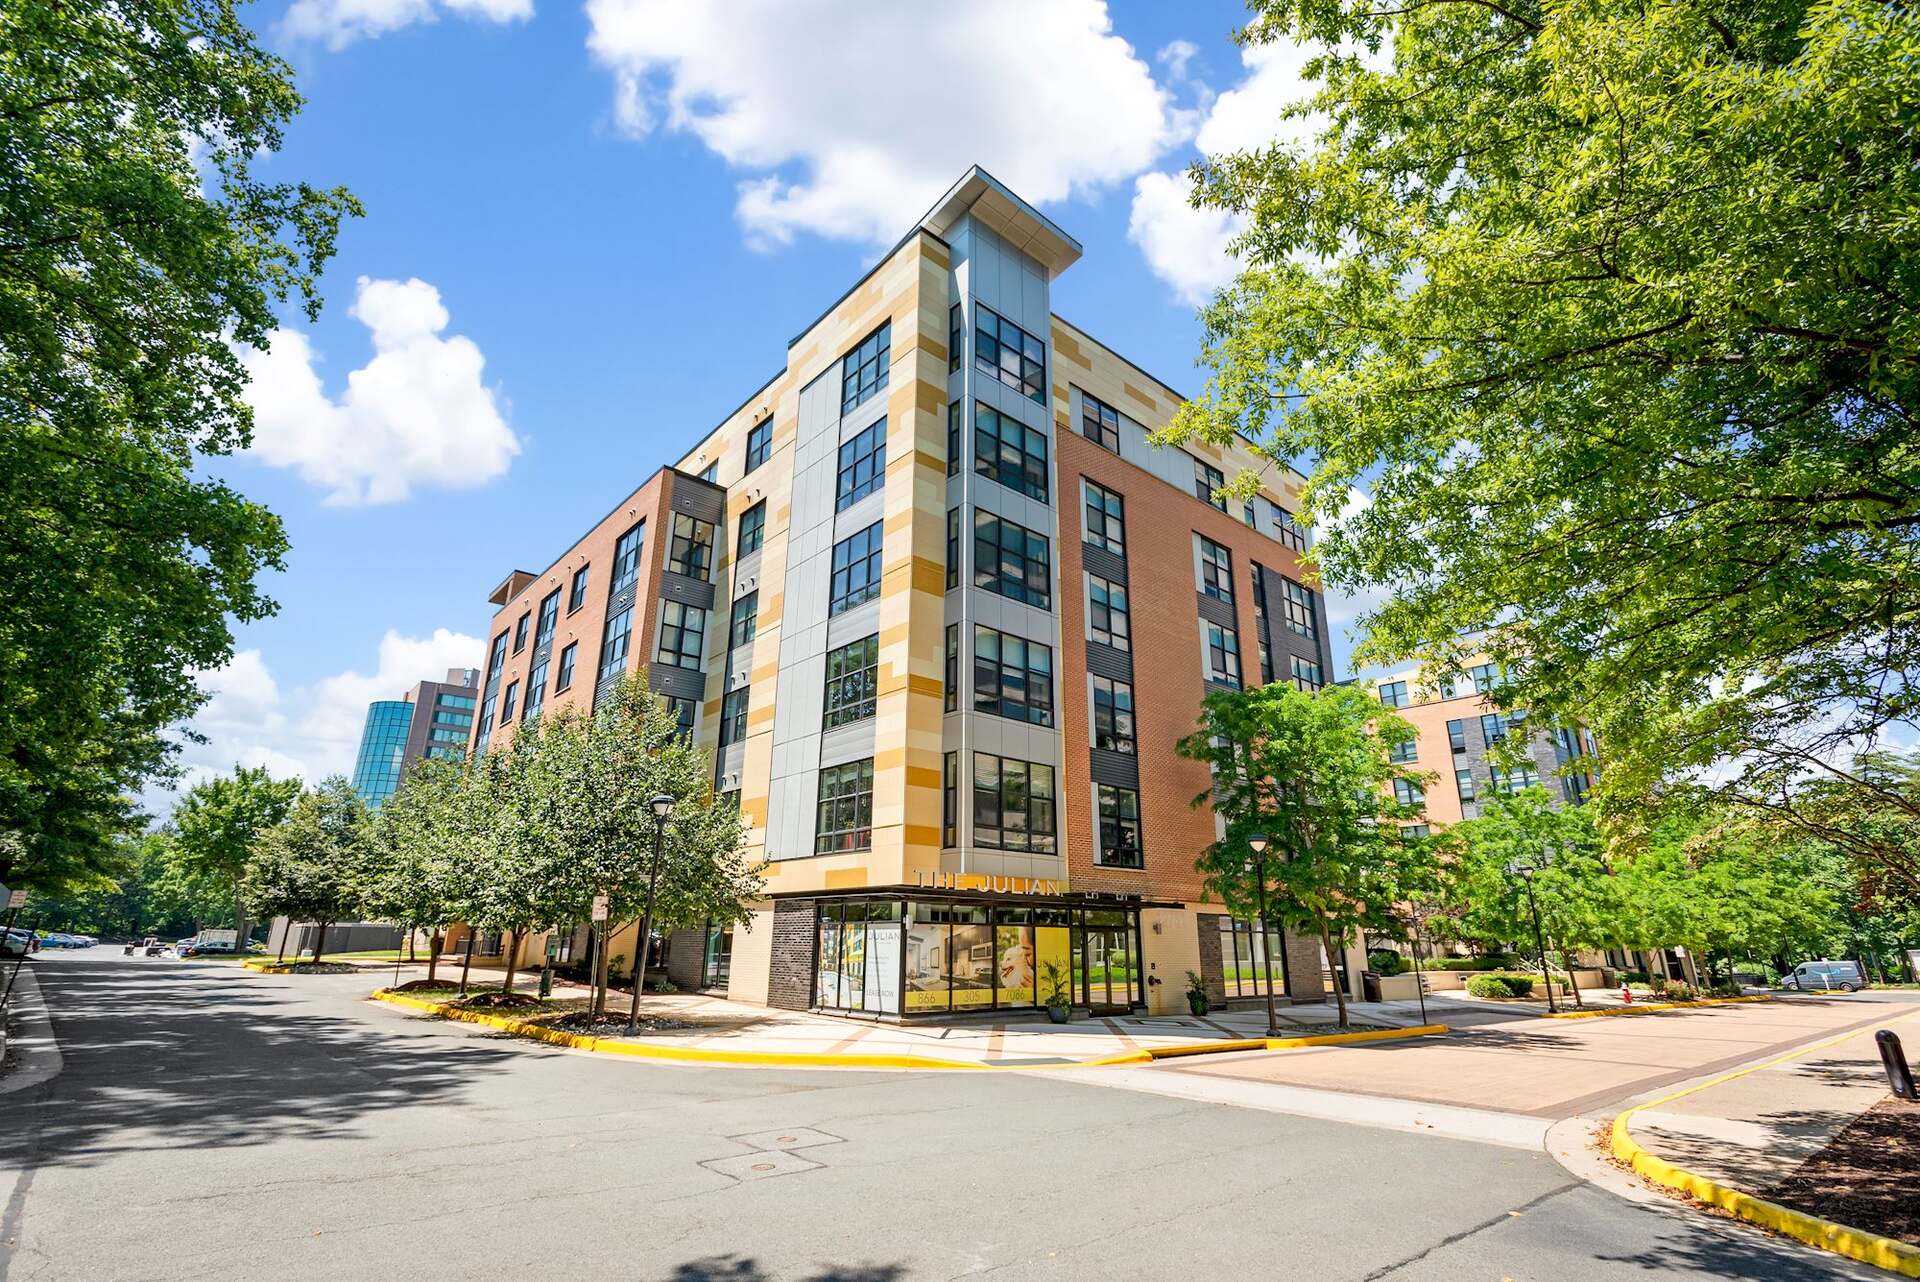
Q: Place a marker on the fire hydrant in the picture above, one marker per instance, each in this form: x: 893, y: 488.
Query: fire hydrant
x: 1626, y: 995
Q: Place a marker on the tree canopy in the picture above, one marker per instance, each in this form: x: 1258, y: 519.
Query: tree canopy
x: 219, y: 821
x: 137, y: 246
x: 1612, y: 308
x: 316, y: 865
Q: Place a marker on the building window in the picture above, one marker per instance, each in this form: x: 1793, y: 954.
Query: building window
x: 549, y: 618
x: 1492, y: 728
x: 613, y: 646
x: 953, y: 439
x: 1403, y: 752
x: 536, y: 691
x: 1119, y: 827
x: 451, y: 736
x: 691, y: 552
x: 1408, y: 793
x: 1100, y: 423
x: 1011, y: 560
x: 950, y: 799
x: 1302, y: 617
x: 1106, y: 519
x: 1107, y: 613
x: 746, y: 619
x: 863, y: 466
x: 1223, y: 656
x: 1305, y: 673
x: 1457, y: 735
x: 626, y: 557
x: 1512, y: 781
x: 1012, y: 677
x: 1246, y: 514
x: 711, y: 472
x: 1015, y: 357
x: 565, y: 676
x: 453, y: 701
x: 683, y: 631
x: 956, y: 335
x: 1216, y: 570
x: 1010, y: 452
x: 1113, y: 716
x: 1485, y: 677
x: 853, y: 673
x: 1394, y: 694
x: 1206, y: 479
x: 753, y: 529
x: 730, y: 800
x: 1463, y: 780
x: 1413, y: 832
x: 844, y: 818
x: 952, y: 687
x: 508, y: 700
x: 1289, y: 531
x: 759, y: 443
x: 685, y: 712
x: 1262, y: 624
x: 733, y: 716
x: 863, y: 371
x: 577, y: 597
x: 953, y: 548
x: 451, y: 719
x: 1012, y: 804
x: 1251, y: 959
x: 520, y: 632
x: 856, y: 570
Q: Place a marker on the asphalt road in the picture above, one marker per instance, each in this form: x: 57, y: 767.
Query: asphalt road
x: 208, y: 1122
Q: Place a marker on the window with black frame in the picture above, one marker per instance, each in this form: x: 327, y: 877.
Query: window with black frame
x: 1100, y: 422
x: 1107, y: 617
x: 1006, y: 352
x: 1013, y: 804
x: 1012, y: 561
x: 759, y: 443
x: 1106, y: 526
x: 733, y: 716
x: 1223, y: 655
x: 843, y: 819
x: 614, y: 644
x: 853, y: 672
x: 1216, y: 570
x: 1113, y: 715
x: 564, y: 677
x: 1251, y: 959
x: 753, y: 529
x: 1206, y: 480
x: 863, y: 465
x: 549, y: 618
x: 577, y: 597
x: 863, y: 371
x: 1012, y: 677
x: 856, y: 570
x: 683, y: 632
x: 746, y: 620
x: 1119, y: 810
x: 1008, y: 451
x: 626, y: 557
x: 691, y: 552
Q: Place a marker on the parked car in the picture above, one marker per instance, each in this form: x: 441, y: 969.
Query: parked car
x: 1824, y: 976
x: 86, y: 941
x: 209, y: 948
x: 60, y: 939
x: 14, y: 943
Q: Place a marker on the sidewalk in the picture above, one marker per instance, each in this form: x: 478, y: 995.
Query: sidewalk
x: 717, y: 1029
x: 1761, y: 1142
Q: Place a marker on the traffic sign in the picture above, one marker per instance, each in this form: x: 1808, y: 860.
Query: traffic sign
x: 599, y: 907
x: 17, y: 899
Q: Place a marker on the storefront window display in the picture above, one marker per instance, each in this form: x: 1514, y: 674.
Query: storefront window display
x: 1245, y: 954
x: 857, y: 966
x: 962, y: 956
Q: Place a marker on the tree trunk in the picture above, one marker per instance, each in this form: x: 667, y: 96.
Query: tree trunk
x: 1339, y: 989
x: 412, y: 954
x: 319, y: 940
x: 513, y: 961
x: 601, y: 972
x: 1573, y: 981
x: 433, y: 953
x: 466, y: 960
x: 285, y: 931
x: 241, y: 928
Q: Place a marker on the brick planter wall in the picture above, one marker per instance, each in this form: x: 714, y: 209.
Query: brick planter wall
x: 1211, y: 968
x: 790, y: 974
x: 684, y: 949
x: 1304, y: 981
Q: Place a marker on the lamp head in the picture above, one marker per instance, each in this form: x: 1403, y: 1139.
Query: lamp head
x: 1257, y: 842
x: 662, y: 806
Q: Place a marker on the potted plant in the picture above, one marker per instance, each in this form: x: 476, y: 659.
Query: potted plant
x: 1056, y: 991
x: 1197, y: 1000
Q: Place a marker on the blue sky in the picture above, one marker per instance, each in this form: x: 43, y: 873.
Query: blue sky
x: 590, y: 232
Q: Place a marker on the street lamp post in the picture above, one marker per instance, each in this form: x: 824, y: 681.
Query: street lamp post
x: 662, y: 806
x: 1539, y: 936
x: 1257, y: 842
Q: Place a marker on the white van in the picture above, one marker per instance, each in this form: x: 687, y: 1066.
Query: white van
x: 1822, y: 976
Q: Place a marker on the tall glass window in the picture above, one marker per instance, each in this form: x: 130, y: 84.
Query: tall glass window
x: 1291, y: 533
x: 1013, y: 804
x: 844, y: 817
x: 856, y: 570
x: 950, y: 800
x: 549, y: 619
x: 759, y: 443
x: 1206, y: 479
x: 1106, y: 519
x: 1006, y: 352
x: 1008, y: 451
x: 536, y: 691
x: 1216, y: 570
x: 383, y: 746
x: 1119, y: 827
x: 1012, y: 561
x: 520, y: 632
x: 863, y: 466
x: 683, y: 631
x: 1457, y: 735
x: 1251, y: 958
x: 614, y: 644
x: 1012, y: 677
x: 1107, y: 620
x: 1305, y: 673
x: 953, y: 548
x: 863, y: 371
x: 853, y: 681
x: 508, y: 701
x: 746, y: 619
x: 626, y: 557
x: 1113, y: 715
x: 1100, y: 423
x: 577, y: 597
x: 564, y: 677
x: 733, y: 716
x: 753, y: 529
x: 1223, y: 655
x: 691, y: 552
x: 1301, y: 615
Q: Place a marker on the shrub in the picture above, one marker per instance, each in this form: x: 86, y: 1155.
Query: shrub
x: 1385, y: 961
x: 1501, y: 984
x: 1675, y: 992
x: 1633, y: 976
x: 1657, y: 985
x: 1468, y: 963
x: 1728, y: 988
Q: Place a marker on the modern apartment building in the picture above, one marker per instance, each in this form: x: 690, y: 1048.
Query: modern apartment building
x: 434, y: 719
x: 1458, y: 726
x: 940, y: 611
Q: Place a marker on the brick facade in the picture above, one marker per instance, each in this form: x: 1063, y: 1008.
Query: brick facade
x: 686, y: 951
x: 790, y: 979
x: 1212, y: 972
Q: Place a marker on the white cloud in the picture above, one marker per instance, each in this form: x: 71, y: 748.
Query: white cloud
x: 312, y: 732
x: 418, y: 413
x: 1188, y: 247
x: 338, y: 23
x: 852, y: 118
x: 1175, y: 55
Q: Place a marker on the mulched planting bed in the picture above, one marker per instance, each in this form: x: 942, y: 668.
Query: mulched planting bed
x: 427, y: 987
x: 611, y: 1022
x: 323, y: 968
x: 1868, y: 1177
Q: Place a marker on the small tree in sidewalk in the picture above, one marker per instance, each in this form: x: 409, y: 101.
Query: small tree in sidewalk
x: 418, y: 835
x: 314, y: 866
x: 1313, y: 772
x: 219, y: 822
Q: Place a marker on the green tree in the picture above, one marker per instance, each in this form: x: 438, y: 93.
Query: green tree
x: 315, y: 866
x: 136, y: 249
x: 1313, y: 772
x: 1611, y: 307
x: 520, y: 874
x: 218, y: 823
x: 417, y: 837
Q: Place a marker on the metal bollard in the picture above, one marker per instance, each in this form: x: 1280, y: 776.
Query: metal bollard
x: 546, y: 980
x: 1899, y: 1076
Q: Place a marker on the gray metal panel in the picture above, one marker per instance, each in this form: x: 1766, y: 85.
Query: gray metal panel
x: 1120, y: 769
x: 680, y: 683
x: 1105, y: 661
x: 701, y: 500
x: 1100, y: 562
x: 848, y: 743
x: 622, y: 599
x: 1214, y: 610
x: 686, y: 590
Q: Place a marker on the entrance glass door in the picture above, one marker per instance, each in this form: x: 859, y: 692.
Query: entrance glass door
x: 1111, y: 971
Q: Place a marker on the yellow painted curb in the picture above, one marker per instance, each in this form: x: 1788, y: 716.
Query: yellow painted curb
x: 804, y: 1059
x: 270, y: 968
x: 1858, y: 1244
x: 1649, y: 1008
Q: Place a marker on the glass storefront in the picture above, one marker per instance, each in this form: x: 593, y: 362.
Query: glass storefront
x: 716, y: 962
x: 919, y: 956
x: 1251, y: 958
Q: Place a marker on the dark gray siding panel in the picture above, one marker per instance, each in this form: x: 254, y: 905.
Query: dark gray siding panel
x: 1120, y: 769
x: 680, y: 683
x: 687, y: 591
x: 1103, y: 563
x: 698, y: 499
x: 1105, y: 661
x: 1214, y: 610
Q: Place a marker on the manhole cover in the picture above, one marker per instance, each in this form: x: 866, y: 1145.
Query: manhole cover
x: 792, y: 1137
x: 760, y: 1166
